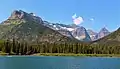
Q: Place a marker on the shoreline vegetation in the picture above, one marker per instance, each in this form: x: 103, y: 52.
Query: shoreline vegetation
x: 75, y: 55
x: 81, y: 55
x: 65, y: 54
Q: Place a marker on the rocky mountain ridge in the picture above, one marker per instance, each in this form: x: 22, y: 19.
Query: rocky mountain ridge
x: 72, y: 31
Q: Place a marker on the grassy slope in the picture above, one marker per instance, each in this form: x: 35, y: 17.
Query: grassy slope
x: 5, y: 28
x: 29, y: 30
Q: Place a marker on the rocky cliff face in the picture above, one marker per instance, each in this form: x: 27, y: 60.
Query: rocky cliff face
x: 72, y: 31
x: 103, y: 32
x: 19, y: 16
x: 81, y: 34
x: 92, y: 34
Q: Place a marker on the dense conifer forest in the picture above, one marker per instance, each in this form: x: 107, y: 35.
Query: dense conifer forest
x: 16, y: 48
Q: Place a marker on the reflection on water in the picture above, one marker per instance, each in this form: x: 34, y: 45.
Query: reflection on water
x: 45, y: 62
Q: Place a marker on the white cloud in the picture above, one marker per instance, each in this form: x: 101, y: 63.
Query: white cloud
x: 92, y: 19
x: 74, y: 16
x: 76, y: 20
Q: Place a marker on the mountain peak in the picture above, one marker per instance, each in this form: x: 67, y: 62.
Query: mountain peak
x: 111, y: 39
x: 104, y: 29
x: 103, y: 32
x: 81, y: 33
x: 20, y: 16
x: 17, y: 14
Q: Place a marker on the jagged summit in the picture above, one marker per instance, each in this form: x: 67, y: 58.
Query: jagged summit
x: 17, y: 14
x: 20, y: 16
x: 81, y: 34
x: 104, y: 29
x: 103, y: 32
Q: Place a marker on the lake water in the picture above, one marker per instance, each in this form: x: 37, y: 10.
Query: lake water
x: 50, y: 62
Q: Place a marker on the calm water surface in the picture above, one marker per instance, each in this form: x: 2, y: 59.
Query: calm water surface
x: 50, y: 62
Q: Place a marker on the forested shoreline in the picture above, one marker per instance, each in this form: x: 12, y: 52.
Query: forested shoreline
x: 16, y: 48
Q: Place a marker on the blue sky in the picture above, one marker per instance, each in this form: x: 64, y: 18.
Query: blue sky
x: 103, y: 12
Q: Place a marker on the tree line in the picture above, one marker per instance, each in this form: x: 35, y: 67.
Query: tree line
x: 23, y: 48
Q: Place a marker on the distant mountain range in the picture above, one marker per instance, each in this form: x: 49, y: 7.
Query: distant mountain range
x: 78, y: 32
x: 25, y: 26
